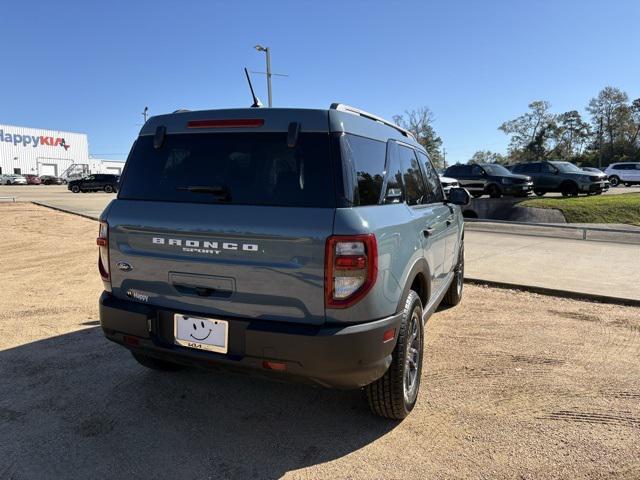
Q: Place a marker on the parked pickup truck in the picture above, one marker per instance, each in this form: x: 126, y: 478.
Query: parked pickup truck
x: 312, y: 244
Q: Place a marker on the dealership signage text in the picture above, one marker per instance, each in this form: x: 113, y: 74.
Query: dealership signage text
x: 33, y: 140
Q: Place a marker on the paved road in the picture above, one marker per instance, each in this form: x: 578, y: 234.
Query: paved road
x: 600, y: 268
x: 90, y: 204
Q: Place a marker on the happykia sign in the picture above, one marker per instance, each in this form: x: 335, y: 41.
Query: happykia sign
x: 33, y: 140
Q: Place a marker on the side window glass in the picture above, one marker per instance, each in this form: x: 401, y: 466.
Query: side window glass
x: 476, y: 171
x: 414, y: 187
x: 365, y: 159
x: 394, y: 192
x: 434, y: 188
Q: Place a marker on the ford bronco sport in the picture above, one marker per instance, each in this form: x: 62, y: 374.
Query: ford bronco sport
x: 304, y: 243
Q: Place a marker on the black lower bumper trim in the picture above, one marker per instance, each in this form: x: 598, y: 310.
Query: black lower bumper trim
x: 339, y: 356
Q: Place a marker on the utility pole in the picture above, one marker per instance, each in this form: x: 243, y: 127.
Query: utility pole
x: 266, y: 50
x: 144, y: 114
x: 268, y: 73
x: 600, y: 145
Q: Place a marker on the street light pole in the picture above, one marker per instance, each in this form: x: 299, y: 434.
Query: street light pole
x: 266, y: 50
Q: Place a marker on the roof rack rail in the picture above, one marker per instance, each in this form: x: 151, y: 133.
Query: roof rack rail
x: 341, y: 107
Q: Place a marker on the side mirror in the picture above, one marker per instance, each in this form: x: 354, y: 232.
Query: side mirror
x: 459, y: 196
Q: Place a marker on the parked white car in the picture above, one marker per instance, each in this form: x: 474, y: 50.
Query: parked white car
x: 13, y: 179
x: 448, y: 183
x: 627, y: 173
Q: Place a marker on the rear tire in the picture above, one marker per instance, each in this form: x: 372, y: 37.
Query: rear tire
x: 108, y: 189
x: 156, y: 363
x: 539, y: 193
x: 395, y: 394
x: 454, y: 294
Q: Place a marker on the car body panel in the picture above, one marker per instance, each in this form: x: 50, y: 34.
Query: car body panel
x: 627, y: 172
x: 549, y: 177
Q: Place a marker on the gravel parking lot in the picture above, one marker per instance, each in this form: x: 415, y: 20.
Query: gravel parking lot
x: 515, y: 385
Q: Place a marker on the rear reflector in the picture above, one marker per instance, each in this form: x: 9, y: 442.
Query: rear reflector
x: 228, y: 123
x: 129, y: 340
x: 388, y: 335
x: 278, y: 366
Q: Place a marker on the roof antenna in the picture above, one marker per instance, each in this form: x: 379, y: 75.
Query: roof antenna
x: 256, y: 101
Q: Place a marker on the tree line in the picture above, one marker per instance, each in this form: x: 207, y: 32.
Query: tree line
x: 610, y: 133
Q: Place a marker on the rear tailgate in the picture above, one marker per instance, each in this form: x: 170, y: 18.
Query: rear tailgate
x: 254, y: 262
x: 219, y: 217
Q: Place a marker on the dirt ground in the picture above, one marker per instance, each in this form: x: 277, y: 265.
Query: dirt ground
x: 515, y: 385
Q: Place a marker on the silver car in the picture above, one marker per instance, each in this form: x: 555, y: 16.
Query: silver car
x: 13, y: 179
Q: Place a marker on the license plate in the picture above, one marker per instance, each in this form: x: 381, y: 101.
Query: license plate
x: 201, y: 333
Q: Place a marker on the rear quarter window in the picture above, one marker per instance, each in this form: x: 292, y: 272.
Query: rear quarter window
x: 363, y: 166
x: 251, y: 168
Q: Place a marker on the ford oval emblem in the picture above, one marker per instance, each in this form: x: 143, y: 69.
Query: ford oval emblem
x: 124, y: 266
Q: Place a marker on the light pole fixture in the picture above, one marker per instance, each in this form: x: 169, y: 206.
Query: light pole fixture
x: 266, y: 50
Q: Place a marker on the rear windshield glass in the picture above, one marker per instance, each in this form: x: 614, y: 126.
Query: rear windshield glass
x: 235, y: 168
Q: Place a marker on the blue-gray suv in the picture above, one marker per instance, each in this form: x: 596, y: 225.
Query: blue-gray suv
x: 310, y: 244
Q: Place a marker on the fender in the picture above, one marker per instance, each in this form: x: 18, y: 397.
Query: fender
x: 421, y: 266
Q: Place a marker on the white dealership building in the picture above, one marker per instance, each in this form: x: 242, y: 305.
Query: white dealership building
x: 49, y: 152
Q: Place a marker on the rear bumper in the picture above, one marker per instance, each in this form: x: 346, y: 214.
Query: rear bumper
x: 334, y: 356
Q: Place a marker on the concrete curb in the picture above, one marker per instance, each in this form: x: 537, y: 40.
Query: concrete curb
x: 553, y: 292
x: 95, y: 219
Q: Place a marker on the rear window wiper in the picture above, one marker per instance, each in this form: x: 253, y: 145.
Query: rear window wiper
x: 217, y: 190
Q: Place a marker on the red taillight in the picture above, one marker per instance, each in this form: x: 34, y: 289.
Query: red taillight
x: 228, y: 123
x: 277, y: 366
x: 351, y: 268
x: 103, y: 254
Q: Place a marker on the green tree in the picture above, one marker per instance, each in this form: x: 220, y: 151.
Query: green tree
x: 635, y: 119
x: 610, y: 115
x: 487, y: 156
x: 570, y: 134
x: 420, y: 123
x: 530, y: 132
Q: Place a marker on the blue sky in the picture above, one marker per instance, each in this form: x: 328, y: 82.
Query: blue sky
x: 93, y: 66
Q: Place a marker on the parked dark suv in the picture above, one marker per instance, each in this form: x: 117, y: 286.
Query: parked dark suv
x: 94, y: 183
x: 491, y: 179
x: 562, y: 177
x: 307, y: 243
